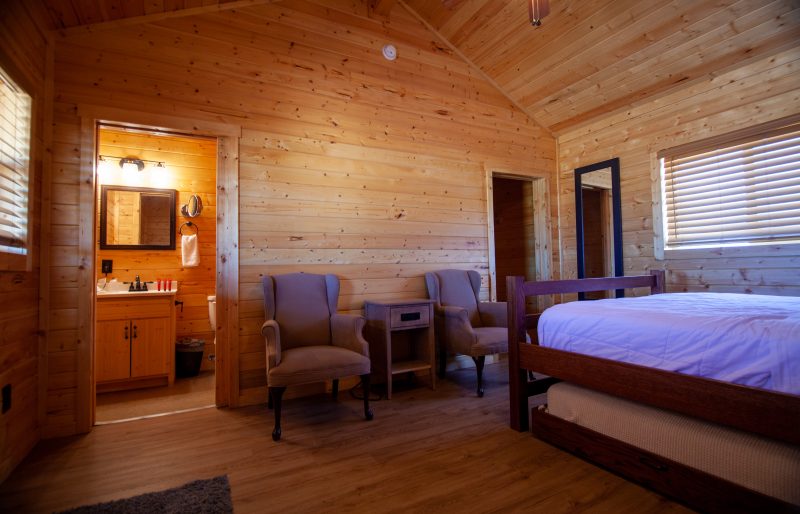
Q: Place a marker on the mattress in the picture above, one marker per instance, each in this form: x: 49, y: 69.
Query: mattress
x: 760, y: 464
x: 752, y: 340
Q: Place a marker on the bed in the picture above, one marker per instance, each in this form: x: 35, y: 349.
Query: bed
x: 764, y: 418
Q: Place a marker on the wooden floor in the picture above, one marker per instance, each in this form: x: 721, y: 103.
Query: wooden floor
x: 425, y: 451
x: 184, y: 394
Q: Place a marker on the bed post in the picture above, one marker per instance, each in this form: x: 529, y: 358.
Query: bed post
x: 517, y: 377
x: 660, y: 285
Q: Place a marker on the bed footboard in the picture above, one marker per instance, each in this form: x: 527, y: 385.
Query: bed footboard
x: 519, y: 322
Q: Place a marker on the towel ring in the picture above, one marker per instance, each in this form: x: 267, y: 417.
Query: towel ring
x: 189, y: 224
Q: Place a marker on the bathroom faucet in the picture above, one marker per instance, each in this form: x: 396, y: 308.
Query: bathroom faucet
x: 138, y: 285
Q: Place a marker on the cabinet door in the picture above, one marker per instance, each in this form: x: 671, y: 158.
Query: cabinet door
x: 149, y: 347
x: 112, y: 350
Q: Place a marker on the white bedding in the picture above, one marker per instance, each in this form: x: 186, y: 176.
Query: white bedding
x: 745, y: 339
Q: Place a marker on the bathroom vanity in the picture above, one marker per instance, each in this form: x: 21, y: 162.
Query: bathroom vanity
x: 134, y: 339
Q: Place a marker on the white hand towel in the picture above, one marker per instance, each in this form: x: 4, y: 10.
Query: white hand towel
x: 190, y: 252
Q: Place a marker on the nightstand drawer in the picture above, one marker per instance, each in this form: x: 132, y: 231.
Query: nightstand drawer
x: 409, y: 316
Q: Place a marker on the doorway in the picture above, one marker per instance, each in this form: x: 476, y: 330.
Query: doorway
x: 518, y: 232
x: 161, y: 357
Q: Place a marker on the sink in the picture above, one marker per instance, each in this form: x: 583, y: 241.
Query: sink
x: 115, y: 289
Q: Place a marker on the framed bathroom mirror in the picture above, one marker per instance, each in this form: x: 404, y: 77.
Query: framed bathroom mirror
x: 137, y: 218
x: 598, y: 223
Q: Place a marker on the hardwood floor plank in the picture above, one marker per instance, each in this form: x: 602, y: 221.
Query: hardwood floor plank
x: 425, y: 451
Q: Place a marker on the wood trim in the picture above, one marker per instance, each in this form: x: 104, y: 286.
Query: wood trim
x: 160, y: 122
x: 156, y: 17
x: 84, y: 411
x: 227, y: 245
x: 228, y: 272
x: 700, y: 490
x: 45, y: 236
x: 657, y: 192
x: 779, y: 126
x: 489, y: 188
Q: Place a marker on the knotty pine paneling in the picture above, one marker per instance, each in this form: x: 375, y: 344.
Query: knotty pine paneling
x: 764, y: 90
x: 24, y: 54
x: 190, y: 169
x: 592, y: 58
x: 349, y: 164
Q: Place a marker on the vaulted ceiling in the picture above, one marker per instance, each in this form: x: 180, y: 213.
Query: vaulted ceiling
x: 588, y: 58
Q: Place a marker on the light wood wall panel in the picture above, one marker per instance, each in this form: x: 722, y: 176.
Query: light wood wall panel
x: 761, y: 91
x: 349, y: 164
x: 190, y: 169
x: 592, y: 58
x: 24, y: 54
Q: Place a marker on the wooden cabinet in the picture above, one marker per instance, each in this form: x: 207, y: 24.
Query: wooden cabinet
x: 400, y: 335
x: 134, y: 342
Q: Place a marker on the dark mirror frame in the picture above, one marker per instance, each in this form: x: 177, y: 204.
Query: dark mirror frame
x: 103, y: 217
x: 616, y: 208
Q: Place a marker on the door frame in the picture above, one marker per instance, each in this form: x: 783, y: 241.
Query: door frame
x: 227, y: 246
x: 542, y: 233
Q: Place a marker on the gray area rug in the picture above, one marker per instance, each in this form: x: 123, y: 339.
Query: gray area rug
x: 210, y: 496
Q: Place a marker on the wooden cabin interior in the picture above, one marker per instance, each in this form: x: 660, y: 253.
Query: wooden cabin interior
x: 375, y: 140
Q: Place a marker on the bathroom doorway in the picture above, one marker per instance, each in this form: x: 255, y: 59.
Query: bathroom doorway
x: 154, y: 350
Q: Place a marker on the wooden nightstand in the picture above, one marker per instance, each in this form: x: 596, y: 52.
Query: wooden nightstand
x: 400, y: 335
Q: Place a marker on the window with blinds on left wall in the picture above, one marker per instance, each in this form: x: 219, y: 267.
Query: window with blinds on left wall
x: 15, y: 175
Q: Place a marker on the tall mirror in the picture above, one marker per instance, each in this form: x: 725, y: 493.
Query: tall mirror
x: 137, y: 218
x: 598, y: 216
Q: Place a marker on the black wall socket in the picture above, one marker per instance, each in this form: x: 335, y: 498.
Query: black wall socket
x: 107, y: 266
x: 6, y: 398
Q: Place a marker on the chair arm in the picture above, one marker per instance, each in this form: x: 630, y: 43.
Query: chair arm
x: 493, y: 314
x: 272, y: 335
x: 347, y: 331
x: 456, y: 330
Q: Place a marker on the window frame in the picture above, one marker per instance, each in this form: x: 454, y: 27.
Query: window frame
x: 22, y: 259
x: 740, y: 249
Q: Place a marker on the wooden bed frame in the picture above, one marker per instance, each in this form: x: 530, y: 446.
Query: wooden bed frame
x: 771, y: 414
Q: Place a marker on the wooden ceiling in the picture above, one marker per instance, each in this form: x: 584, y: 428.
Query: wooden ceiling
x: 588, y: 58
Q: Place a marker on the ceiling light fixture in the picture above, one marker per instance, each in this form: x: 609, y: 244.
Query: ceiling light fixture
x: 538, y: 9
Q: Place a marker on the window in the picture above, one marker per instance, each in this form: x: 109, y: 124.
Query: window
x: 736, y: 190
x: 15, y: 150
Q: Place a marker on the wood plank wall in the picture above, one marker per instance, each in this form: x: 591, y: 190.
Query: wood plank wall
x: 190, y: 169
x: 24, y: 54
x: 763, y: 90
x: 349, y: 164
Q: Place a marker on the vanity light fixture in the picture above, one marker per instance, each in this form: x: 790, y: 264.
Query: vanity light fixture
x: 131, y: 163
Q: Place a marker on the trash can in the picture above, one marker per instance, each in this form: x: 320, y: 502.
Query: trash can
x: 188, y: 357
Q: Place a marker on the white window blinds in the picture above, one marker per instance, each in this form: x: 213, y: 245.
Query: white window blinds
x: 15, y: 131
x: 739, y: 191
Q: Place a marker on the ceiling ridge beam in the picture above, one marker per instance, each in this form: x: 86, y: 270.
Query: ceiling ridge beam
x: 92, y: 28
x: 474, y: 66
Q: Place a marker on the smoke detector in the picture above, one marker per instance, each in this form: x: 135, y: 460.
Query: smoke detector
x: 390, y: 52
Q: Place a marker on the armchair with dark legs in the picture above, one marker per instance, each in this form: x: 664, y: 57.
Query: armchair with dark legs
x: 463, y: 323
x: 307, y: 340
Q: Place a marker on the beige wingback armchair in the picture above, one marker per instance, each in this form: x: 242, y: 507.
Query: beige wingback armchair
x: 463, y: 323
x: 307, y: 341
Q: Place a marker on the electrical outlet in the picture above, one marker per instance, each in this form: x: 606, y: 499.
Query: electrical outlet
x: 6, y: 398
x: 107, y: 265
